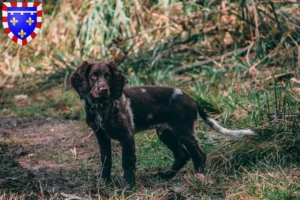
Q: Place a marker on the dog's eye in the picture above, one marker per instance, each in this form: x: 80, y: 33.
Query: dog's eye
x: 106, y: 75
x: 93, y: 77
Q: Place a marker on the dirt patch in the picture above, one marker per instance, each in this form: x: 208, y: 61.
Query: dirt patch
x: 47, y: 156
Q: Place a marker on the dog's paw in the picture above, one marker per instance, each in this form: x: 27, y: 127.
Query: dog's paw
x: 105, y: 174
x: 129, y: 177
x: 165, y: 174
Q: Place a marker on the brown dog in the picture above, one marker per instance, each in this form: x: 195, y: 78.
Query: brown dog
x: 117, y: 112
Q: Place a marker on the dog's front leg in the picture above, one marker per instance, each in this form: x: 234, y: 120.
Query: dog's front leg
x: 105, y: 152
x: 128, y: 157
x: 103, y: 141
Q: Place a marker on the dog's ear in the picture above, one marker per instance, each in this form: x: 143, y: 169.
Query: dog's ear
x: 79, y: 80
x: 118, y: 81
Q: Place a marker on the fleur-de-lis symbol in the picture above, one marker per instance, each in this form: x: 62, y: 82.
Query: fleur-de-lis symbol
x: 22, y: 33
x: 29, y: 21
x: 14, y: 21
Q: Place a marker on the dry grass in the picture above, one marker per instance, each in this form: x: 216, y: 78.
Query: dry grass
x: 238, y: 59
x: 167, y: 31
x: 274, y: 183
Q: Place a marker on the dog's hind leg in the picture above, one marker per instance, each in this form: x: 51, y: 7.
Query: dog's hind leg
x: 189, y: 140
x: 181, y: 155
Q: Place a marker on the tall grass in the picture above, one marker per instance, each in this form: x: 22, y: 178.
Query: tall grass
x: 276, y: 143
x: 170, y: 35
x: 237, y: 58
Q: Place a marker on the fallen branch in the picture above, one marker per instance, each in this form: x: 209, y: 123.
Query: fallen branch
x: 283, y: 116
x: 270, y: 55
x: 281, y: 77
x: 199, y: 63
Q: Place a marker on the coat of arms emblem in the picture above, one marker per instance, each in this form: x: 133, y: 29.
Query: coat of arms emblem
x: 22, y: 20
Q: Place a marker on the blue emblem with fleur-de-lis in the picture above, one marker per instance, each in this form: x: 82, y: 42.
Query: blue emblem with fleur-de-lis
x: 22, y: 20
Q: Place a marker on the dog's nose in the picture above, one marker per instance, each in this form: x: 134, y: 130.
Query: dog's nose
x: 103, y: 90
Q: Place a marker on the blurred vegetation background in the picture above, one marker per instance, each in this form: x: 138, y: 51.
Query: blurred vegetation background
x: 178, y: 43
x: 239, y: 58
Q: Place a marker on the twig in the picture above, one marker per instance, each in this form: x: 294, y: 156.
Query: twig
x: 71, y: 197
x: 199, y: 63
x: 284, y: 116
x: 270, y: 55
x: 298, y: 68
x: 87, y: 137
x: 256, y: 20
x: 279, y: 1
x: 280, y: 77
x: 248, y: 52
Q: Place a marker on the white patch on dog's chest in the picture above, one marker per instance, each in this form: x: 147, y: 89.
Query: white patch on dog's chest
x: 123, y: 106
x: 99, y: 121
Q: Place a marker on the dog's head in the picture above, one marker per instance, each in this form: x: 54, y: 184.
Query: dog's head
x: 102, y: 80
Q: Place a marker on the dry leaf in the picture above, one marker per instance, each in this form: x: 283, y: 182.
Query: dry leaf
x: 227, y: 39
x: 204, y: 179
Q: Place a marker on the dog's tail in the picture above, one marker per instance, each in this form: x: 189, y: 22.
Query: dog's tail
x: 214, y: 125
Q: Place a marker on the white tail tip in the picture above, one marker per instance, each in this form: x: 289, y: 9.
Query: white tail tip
x: 220, y: 129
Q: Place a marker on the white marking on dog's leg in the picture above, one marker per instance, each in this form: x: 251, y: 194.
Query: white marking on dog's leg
x: 143, y: 90
x: 226, y: 131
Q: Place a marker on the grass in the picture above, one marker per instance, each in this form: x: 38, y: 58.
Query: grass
x: 263, y: 166
x: 269, y: 178
x: 269, y: 183
x: 240, y: 72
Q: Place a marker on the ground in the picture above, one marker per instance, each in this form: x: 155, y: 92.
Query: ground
x: 51, y: 157
x: 39, y: 151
